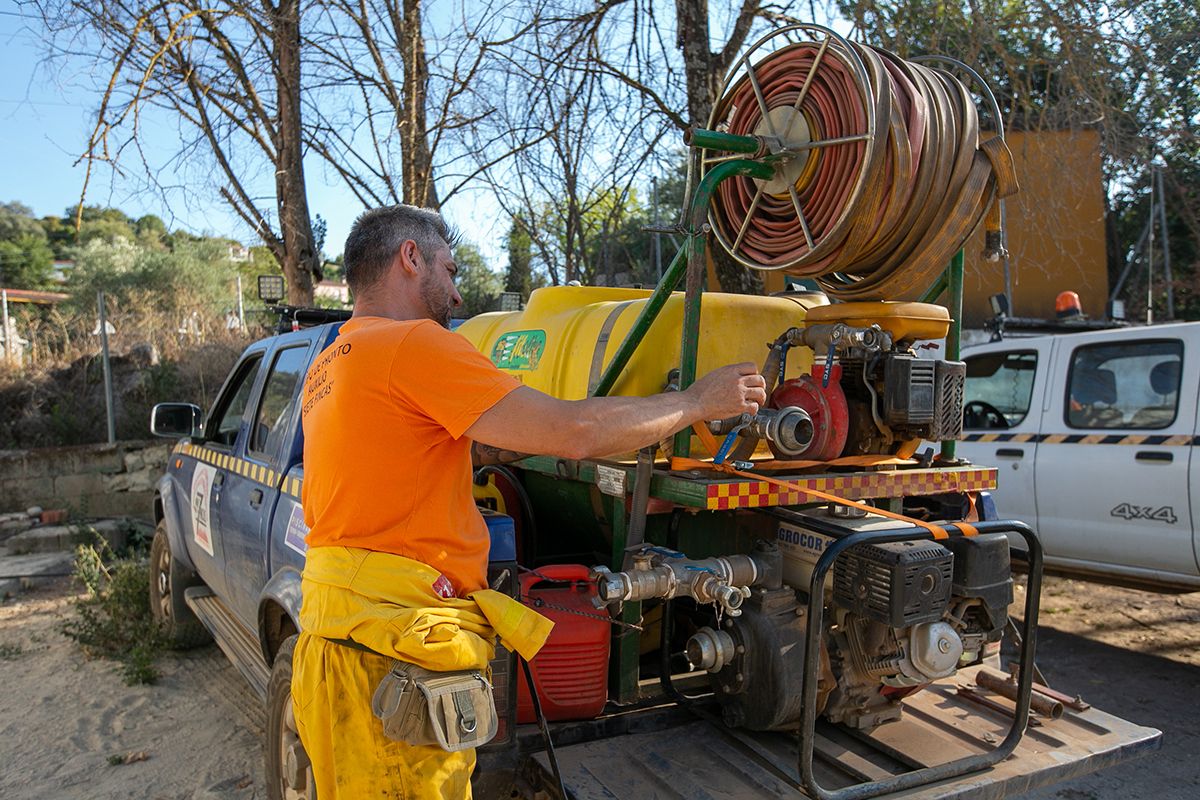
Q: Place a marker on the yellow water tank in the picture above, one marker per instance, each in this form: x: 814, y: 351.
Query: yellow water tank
x: 566, y: 336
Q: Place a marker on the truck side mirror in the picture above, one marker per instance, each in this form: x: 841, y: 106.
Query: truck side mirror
x: 175, y: 419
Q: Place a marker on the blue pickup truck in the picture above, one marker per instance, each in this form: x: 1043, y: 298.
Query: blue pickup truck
x: 229, y: 544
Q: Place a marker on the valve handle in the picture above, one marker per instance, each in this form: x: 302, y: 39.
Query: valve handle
x: 727, y: 445
x: 828, y: 365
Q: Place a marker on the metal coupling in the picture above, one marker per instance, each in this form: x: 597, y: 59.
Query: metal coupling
x: 993, y: 247
x: 840, y: 337
x: 710, y: 649
x: 789, y: 429
x: 658, y: 573
x: 708, y: 588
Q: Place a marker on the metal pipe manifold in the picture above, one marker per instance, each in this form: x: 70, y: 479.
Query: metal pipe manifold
x: 724, y: 581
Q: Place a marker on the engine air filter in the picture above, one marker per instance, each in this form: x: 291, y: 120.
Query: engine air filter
x: 898, y: 583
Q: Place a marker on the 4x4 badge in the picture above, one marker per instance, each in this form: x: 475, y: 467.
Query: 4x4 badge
x: 1129, y: 511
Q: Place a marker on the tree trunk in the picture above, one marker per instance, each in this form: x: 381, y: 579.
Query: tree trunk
x: 299, y: 258
x: 704, y: 70
x: 692, y: 40
x: 419, y: 188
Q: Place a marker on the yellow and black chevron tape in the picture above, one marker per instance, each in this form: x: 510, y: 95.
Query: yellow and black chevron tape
x: 240, y: 466
x: 1085, y: 438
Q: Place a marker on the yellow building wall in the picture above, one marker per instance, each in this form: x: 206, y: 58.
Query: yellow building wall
x: 1055, y: 232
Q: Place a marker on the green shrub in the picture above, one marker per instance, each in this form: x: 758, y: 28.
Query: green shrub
x: 114, y: 619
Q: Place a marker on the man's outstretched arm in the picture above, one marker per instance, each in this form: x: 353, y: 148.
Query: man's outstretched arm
x: 529, y: 421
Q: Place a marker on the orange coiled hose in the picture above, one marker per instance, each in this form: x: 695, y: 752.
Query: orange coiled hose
x: 880, y: 175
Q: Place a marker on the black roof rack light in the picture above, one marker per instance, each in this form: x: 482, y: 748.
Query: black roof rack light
x: 293, y: 318
x: 1000, y: 325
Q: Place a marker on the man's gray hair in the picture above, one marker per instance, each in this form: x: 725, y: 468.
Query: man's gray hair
x: 377, y: 235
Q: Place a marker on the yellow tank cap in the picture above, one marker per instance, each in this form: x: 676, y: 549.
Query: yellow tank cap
x: 904, y: 321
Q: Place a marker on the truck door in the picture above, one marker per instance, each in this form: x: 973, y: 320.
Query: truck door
x: 1112, y: 477
x: 1001, y: 414
x: 1194, y: 488
x: 214, y: 463
x: 251, y: 493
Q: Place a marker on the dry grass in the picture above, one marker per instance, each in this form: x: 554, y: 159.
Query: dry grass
x: 56, y: 397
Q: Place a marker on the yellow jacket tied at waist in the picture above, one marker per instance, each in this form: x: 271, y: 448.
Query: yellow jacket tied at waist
x: 388, y: 603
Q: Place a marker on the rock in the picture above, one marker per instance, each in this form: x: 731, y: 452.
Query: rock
x: 143, y: 355
x: 134, y: 461
x: 50, y: 539
x: 30, y: 570
x: 33, y: 511
x: 14, y: 526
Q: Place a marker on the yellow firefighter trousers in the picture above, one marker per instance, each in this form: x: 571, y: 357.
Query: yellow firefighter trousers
x: 351, y: 758
x: 387, y: 603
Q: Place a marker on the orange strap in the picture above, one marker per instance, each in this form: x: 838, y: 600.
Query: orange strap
x: 967, y: 528
x: 709, y: 441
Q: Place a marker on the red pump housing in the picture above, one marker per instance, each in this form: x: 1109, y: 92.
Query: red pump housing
x: 825, y: 404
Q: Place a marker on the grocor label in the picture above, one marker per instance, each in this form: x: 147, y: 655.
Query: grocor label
x: 797, y: 542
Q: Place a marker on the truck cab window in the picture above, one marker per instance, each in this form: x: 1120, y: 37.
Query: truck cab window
x: 232, y: 404
x: 270, y: 423
x: 1124, y: 385
x: 999, y: 389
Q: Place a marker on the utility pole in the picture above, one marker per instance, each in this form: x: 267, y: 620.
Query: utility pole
x: 1166, y: 243
x: 108, y: 388
x: 7, y: 332
x: 241, y: 310
x: 1150, y: 258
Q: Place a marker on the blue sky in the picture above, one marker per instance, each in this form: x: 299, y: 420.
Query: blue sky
x: 46, y: 115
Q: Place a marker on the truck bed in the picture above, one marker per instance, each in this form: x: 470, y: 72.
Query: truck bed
x: 702, y: 759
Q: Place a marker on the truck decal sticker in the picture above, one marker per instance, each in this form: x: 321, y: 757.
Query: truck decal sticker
x: 1182, y: 440
x: 296, y: 531
x: 1129, y: 511
x: 201, y: 502
x: 519, y: 350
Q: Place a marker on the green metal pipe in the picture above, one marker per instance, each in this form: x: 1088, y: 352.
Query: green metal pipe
x: 697, y: 271
x: 954, y: 336
x: 716, y: 140
x: 641, y: 326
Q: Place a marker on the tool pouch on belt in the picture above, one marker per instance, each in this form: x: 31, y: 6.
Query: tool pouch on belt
x: 451, y: 710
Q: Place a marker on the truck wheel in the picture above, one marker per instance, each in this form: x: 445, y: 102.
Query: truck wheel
x: 168, y: 580
x: 289, y: 772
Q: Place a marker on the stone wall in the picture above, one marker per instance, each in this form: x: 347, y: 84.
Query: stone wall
x: 97, y: 480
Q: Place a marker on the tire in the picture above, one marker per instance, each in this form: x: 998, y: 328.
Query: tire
x: 289, y: 773
x: 168, y: 581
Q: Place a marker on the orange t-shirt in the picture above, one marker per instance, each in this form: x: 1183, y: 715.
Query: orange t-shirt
x: 386, y: 466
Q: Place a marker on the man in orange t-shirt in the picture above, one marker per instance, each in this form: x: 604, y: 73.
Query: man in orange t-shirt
x: 392, y: 406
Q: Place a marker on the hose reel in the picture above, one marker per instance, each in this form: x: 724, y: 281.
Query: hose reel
x: 879, y: 175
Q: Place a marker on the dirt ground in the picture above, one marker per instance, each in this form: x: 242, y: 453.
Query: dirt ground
x: 196, y: 734
x: 62, y: 717
x: 1136, y: 655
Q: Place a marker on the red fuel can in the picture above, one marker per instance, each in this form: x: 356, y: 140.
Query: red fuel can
x: 571, y: 669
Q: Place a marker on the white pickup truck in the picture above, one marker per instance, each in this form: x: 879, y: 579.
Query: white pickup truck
x: 1094, y: 435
